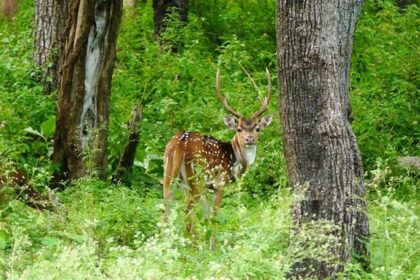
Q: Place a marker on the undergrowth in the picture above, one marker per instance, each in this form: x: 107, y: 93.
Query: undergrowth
x: 108, y: 232
x: 102, y: 231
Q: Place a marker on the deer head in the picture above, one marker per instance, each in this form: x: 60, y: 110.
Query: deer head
x: 247, y: 129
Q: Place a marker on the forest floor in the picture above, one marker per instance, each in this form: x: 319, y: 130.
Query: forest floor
x: 105, y: 231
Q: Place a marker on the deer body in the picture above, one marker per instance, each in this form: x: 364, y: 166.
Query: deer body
x: 190, y: 149
x: 220, y: 162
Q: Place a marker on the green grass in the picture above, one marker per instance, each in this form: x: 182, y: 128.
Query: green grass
x: 100, y: 231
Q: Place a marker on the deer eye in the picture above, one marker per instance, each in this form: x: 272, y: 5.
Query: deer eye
x: 239, y: 130
x: 257, y: 129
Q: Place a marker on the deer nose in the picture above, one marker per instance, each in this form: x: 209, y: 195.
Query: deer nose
x: 250, y: 140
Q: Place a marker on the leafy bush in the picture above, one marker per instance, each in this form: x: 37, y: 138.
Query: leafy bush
x: 24, y: 108
x: 66, y: 244
x: 252, y: 239
x: 115, y: 232
x: 385, y: 81
x: 177, y: 88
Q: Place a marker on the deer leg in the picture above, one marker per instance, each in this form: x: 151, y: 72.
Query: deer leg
x: 167, y: 195
x: 218, y: 200
x: 167, y: 188
x: 192, y: 198
x: 216, y: 206
x: 172, y: 167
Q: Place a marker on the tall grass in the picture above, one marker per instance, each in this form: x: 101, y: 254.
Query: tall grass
x: 101, y: 231
x: 116, y: 233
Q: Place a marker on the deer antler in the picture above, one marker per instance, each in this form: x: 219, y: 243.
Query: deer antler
x: 223, y: 98
x: 266, y: 100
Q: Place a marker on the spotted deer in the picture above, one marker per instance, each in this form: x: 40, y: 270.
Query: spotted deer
x: 220, y: 162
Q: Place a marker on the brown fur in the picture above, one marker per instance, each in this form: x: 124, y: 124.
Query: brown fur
x: 220, y: 161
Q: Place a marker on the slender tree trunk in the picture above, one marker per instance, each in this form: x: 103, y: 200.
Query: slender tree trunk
x: 162, y: 8
x: 9, y: 8
x: 404, y: 3
x: 314, y: 40
x: 126, y: 161
x: 49, y: 40
x: 85, y: 87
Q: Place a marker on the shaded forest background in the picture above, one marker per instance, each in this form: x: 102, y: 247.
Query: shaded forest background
x: 115, y: 231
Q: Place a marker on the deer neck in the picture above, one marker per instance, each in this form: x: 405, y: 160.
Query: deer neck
x: 244, y: 155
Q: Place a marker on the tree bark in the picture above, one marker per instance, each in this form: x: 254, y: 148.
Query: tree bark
x: 314, y: 46
x: 162, y: 8
x: 85, y: 87
x: 130, y: 3
x: 404, y: 3
x: 126, y: 161
x: 49, y: 41
x: 9, y: 8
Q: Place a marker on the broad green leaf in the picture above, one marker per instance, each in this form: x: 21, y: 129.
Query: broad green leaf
x: 48, y: 127
x: 50, y: 241
x: 3, y: 237
x: 32, y: 131
x: 2, y: 244
x: 75, y: 237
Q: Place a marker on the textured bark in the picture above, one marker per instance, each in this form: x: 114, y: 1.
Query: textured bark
x: 162, y: 8
x: 314, y: 40
x: 126, y: 161
x: 129, y: 3
x: 85, y: 87
x: 49, y: 40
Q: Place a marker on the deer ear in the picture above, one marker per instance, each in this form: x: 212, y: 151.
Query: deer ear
x: 230, y: 122
x: 265, y: 121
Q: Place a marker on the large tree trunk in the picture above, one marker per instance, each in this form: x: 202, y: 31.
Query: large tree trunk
x: 162, y: 8
x: 49, y: 31
x: 314, y: 40
x: 85, y: 87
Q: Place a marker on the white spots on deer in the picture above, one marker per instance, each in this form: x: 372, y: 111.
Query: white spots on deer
x: 185, y: 136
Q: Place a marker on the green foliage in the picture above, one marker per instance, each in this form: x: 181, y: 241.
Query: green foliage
x: 74, y: 237
x: 23, y: 106
x: 251, y: 21
x: 177, y: 88
x: 391, y: 179
x: 395, y: 240
x: 386, y: 82
x: 115, y: 232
